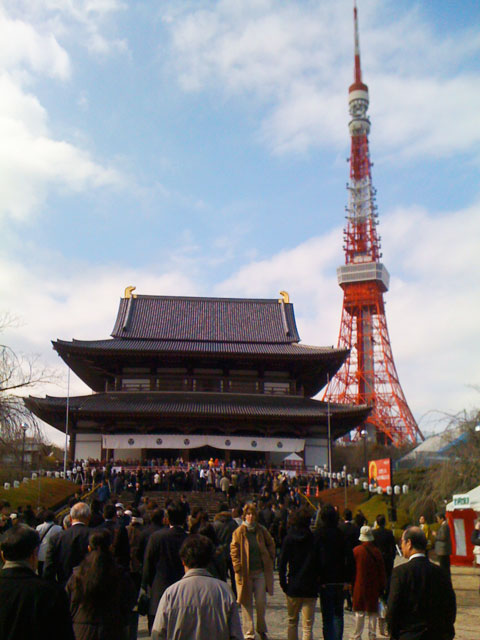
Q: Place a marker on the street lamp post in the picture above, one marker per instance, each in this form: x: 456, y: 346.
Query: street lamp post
x: 364, y: 433
x: 24, y: 427
x: 344, y: 474
x: 329, y: 432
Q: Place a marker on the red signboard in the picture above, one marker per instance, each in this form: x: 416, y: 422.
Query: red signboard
x: 380, y: 473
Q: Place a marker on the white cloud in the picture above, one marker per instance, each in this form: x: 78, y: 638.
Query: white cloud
x: 32, y: 162
x: 23, y: 44
x: 425, y: 115
x: 296, y: 59
x: 435, y: 266
x: 86, y: 22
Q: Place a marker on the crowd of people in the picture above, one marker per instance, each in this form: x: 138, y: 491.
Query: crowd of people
x: 204, y: 475
x: 194, y: 576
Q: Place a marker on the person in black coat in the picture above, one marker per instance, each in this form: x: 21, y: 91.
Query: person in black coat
x: 101, y: 593
x: 69, y: 547
x: 266, y: 516
x: 337, y: 570
x: 96, y: 517
x: 224, y: 526
x: 30, y: 607
x: 349, y: 529
x: 157, y: 522
x: 351, y: 532
x: 421, y: 604
x: 299, y: 568
x: 385, y: 541
x: 162, y: 565
x: 121, y: 546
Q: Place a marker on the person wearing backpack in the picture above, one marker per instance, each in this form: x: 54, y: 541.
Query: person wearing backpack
x: 47, y: 530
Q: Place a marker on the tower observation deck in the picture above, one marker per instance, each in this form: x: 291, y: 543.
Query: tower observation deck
x: 368, y: 376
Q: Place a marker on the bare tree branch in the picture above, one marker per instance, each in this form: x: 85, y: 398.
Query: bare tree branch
x: 17, y: 372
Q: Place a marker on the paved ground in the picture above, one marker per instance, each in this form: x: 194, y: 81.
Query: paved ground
x: 465, y: 582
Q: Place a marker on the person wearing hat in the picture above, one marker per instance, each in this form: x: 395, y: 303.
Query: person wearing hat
x: 123, y: 516
x: 369, y: 583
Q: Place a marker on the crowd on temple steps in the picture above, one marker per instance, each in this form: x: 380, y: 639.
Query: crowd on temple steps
x: 92, y: 575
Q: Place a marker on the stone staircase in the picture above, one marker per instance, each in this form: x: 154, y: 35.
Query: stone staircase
x: 208, y: 501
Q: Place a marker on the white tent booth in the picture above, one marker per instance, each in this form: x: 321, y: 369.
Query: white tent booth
x: 293, y: 462
x: 461, y: 514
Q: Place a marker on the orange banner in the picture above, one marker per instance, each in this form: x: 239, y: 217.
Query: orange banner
x: 380, y: 473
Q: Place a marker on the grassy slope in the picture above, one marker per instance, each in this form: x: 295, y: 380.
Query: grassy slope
x: 358, y: 501
x: 45, y: 492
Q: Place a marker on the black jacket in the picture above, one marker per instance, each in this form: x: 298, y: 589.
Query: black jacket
x: 32, y: 608
x: 337, y: 564
x: 351, y: 533
x: 145, y: 537
x: 299, y: 564
x: 121, y: 545
x: 162, y: 565
x: 65, y: 552
x: 224, y: 526
x: 111, y: 621
x: 385, y: 541
x: 421, y: 604
x: 266, y: 517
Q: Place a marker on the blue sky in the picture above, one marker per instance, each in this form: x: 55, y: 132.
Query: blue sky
x: 199, y: 148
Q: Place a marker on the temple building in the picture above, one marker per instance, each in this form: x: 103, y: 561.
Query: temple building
x: 197, y: 377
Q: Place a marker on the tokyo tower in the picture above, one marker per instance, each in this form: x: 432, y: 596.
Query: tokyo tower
x: 369, y: 375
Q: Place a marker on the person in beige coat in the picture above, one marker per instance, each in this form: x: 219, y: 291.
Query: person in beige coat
x: 253, y: 552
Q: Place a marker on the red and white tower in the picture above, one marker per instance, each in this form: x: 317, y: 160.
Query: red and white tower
x: 369, y: 375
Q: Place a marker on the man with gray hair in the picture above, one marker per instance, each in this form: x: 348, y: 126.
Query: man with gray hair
x: 421, y: 603
x: 69, y: 547
x: 198, y: 605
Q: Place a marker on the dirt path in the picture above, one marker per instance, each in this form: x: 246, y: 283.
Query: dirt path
x: 465, y: 582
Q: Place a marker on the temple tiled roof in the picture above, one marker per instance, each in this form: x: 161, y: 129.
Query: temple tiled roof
x: 183, y: 405
x: 118, y: 345
x: 234, y: 320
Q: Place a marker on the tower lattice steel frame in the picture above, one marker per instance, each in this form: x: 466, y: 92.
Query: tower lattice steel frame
x: 369, y: 375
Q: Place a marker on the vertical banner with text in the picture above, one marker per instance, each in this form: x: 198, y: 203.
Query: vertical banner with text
x: 380, y: 473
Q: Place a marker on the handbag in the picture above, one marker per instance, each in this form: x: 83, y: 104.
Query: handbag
x: 143, y: 603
